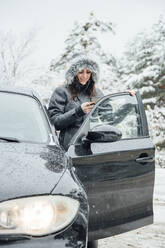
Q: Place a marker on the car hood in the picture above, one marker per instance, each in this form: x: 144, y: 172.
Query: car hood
x: 29, y: 169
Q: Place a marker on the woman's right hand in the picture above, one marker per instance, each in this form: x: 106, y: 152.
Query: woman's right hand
x: 87, y: 106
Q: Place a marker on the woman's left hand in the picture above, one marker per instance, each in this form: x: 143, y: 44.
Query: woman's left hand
x: 87, y: 107
x: 131, y: 92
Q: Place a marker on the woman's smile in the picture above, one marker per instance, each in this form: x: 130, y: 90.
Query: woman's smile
x: 84, y: 76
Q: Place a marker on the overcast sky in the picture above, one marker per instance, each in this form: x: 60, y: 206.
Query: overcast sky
x: 55, y: 18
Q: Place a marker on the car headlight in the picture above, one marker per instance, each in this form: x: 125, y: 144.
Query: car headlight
x: 38, y: 215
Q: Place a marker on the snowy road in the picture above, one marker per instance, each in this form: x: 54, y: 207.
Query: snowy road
x: 152, y: 236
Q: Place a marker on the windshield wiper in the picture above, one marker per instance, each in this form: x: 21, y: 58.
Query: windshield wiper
x: 9, y: 139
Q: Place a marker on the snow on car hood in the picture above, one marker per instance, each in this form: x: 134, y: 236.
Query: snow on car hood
x: 29, y: 169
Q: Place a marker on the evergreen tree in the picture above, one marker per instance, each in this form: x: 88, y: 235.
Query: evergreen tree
x: 84, y: 39
x: 143, y: 69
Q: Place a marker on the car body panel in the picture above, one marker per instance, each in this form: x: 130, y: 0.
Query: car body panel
x: 29, y: 169
x: 37, y: 169
x: 118, y: 192
x: 119, y: 184
x: 74, y: 234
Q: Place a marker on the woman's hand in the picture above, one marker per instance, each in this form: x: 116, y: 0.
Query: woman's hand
x: 131, y: 92
x: 87, y: 106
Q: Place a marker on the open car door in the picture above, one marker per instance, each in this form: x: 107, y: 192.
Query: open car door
x: 114, y: 159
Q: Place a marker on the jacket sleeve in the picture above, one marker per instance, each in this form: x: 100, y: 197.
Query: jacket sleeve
x: 58, y: 117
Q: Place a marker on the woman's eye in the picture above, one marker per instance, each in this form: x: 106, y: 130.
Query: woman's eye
x: 87, y: 72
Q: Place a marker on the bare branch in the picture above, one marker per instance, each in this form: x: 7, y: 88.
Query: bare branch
x: 14, y: 52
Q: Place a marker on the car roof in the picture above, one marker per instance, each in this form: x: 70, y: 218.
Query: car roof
x: 21, y: 91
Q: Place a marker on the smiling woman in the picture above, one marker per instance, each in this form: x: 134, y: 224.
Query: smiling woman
x: 71, y: 102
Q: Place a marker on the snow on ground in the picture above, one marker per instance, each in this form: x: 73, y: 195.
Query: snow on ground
x: 152, y: 236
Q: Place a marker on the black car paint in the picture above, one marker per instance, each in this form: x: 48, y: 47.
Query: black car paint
x: 118, y: 178
x: 119, y: 190
x: 29, y: 169
x: 37, y: 169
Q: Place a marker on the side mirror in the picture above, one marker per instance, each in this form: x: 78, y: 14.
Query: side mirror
x: 103, y: 133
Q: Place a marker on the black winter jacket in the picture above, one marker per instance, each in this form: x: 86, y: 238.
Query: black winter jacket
x: 66, y: 114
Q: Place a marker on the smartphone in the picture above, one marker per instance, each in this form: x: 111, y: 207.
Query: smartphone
x: 92, y: 103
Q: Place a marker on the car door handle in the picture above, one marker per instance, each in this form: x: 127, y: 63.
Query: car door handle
x: 145, y: 160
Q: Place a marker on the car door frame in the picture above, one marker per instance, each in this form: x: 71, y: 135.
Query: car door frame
x: 145, y: 131
x: 130, y: 225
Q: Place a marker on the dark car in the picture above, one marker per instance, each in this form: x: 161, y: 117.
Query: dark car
x: 102, y: 186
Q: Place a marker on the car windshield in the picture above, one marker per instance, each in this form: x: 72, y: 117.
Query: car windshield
x: 21, y: 118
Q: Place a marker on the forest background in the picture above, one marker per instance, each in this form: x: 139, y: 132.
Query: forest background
x: 141, y: 65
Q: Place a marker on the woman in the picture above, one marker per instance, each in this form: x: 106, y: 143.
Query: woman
x: 70, y: 103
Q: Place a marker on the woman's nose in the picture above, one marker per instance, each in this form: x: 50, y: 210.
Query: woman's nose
x: 85, y: 75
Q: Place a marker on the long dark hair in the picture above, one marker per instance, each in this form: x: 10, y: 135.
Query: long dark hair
x: 76, y: 87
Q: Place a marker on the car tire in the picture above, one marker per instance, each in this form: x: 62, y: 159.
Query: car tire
x: 93, y: 244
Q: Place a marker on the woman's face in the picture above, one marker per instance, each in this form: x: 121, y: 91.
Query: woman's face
x: 84, y: 76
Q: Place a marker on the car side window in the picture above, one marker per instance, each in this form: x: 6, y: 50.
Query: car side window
x: 119, y: 111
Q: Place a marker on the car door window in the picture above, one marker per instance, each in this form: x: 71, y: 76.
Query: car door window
x: 121, y: 112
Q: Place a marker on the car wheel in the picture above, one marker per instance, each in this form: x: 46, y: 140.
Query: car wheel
x: 93, y: 244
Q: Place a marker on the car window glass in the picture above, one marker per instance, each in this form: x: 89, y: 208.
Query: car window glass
x: 22, y: 118
x: 121, y: 112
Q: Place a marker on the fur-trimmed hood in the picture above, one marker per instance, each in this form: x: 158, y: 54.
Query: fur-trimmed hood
x: 79, y: 63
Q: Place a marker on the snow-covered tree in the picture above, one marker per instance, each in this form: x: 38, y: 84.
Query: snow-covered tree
x: 144, y: 64
x: 14, y: 55
x: 143, y: 69
x: 84, y: 38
